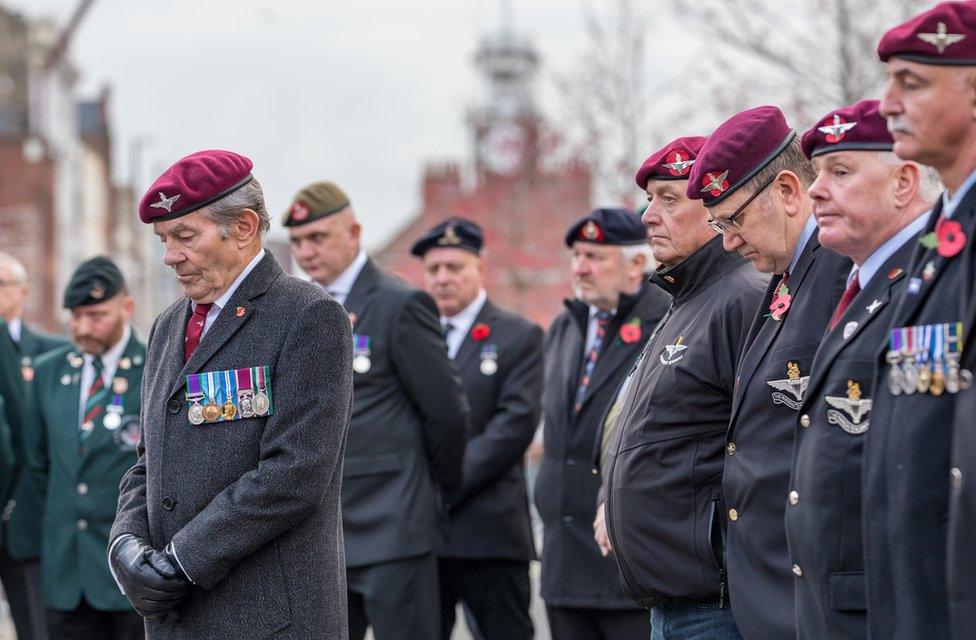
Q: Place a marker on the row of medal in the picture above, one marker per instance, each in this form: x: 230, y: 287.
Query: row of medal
x: 925, y: 359
x: 362, y: 350
x: 120, y: 386
x: 221, y: 396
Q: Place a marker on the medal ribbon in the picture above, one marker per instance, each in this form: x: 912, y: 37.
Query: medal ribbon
x: 229, y: 392
x: 259, y: 372
x: 361, y: 344
x: 489, y: 351
x: 243, y: 379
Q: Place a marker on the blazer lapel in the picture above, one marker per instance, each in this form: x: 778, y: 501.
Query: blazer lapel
x: 360, y: 297
x: 765, y: 334
x: 229, y: 321
x: 469, y: 348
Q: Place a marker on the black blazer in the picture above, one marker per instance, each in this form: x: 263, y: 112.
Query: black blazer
x: 409, y: 425
x: 907, y: 460
x: 34, y: 343
x: 13, y: 392
x: 823, y: 517
x: 759, y: 444
x: 574, y: 574
x: 491, y: 519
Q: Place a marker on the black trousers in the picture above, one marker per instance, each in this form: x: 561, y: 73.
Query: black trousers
x: 22, y: 586
x: 497, y: 593
x: 598, y: 624
x: 399, y: 600
x: 86, y: 623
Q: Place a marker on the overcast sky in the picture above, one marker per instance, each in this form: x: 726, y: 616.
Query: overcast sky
x: 362, y: 93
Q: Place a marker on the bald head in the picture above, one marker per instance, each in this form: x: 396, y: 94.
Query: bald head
x: 13, y: 287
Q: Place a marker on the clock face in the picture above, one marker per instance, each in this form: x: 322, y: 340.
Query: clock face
x: 503, y: 148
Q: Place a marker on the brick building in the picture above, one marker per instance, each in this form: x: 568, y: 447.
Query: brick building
x: 513, y: 186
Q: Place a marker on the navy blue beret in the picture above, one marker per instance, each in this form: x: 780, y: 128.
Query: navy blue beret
x: 608, y: 226
x: 95, y: 280
x: 456, y: 233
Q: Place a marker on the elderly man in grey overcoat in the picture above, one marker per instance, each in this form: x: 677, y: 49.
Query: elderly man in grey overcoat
x: 229, y: 525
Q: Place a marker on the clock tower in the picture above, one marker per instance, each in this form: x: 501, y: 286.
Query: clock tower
x: 506, y: 126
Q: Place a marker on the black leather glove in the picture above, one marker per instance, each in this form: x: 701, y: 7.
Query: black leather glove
x: 153, y: 588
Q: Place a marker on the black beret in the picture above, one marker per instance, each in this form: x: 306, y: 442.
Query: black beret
x: 95, y: 280
x: 608, y: 226
x: 455, y: 233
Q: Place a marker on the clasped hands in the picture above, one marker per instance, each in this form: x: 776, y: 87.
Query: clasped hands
x: 151, y: 580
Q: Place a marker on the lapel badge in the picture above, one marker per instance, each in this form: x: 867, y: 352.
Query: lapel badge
x: 794, y: 384
x: 715, y: 183
x: 352, y: 318
x: 914, y: 285
x: 836, y: 129
x: 673, y: 352
x: 165, y: 203
x: 125, y: 364
x: 137, y: 360
x: 630, y: 332
x: 853, y: 406
x: 240, y: 312
x: 66, y: 379
x: 120, y: 385
x: 28, y: 373
x: 480, y: 332
x: 449, y: 237
x: 25, y: 361
x: 676, y: 164
x: 871, y: 308
x: 941, y: 39
x: 929, y: 271
x: 849, y: 329
x: 894, y: 273
x: 75, y: 360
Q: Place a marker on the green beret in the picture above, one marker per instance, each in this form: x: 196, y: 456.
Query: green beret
x: 94, y: 281
x: 315, y: 201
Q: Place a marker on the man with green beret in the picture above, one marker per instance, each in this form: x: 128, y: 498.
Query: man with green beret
x: 402, y: 469
x: 84, y: 408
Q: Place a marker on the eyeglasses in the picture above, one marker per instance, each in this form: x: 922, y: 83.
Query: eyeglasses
x: 722, y: 225
x: 10, y: 283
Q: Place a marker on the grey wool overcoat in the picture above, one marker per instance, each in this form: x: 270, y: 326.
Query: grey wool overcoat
x: 251, y: 505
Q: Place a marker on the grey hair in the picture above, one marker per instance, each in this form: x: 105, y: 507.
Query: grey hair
x: 929, y: 183
x: 17, y: 270
x: 629, y: 252
x: 789, y: 159
x: 228, y: 209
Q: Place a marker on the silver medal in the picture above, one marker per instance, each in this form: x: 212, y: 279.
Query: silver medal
x: 66, y: 379
x: 361, y: 363
x: 489, y: 366
x: 261, y: 403
x: 195, y: 414
x: 112, y: 420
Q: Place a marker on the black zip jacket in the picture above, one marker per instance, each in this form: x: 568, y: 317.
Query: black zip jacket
x: 663, y: 479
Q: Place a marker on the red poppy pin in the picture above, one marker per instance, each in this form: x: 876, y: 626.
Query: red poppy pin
x: 240, y: 311
x: 781, y: 302
x: 631, y: 331
x: 480, y: 331
x: 948, y: 239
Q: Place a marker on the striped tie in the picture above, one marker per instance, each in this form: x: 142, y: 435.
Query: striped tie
x: 96, y: 395
x: 602, y: 321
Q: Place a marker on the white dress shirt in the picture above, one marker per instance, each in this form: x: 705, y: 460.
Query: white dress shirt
x: 341, y: 286
x: 950, y: 204
x: 591, y: 328
x: 874, y: 261
x: 15, y: 327
x: 221, y: 302
x: 461, y: 322
x: 110, y: 363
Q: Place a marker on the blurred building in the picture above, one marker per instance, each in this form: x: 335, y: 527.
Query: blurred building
x: 514, y: 185
x: 59, y: 203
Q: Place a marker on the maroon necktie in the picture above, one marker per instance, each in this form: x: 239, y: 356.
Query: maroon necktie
x: 194, y: 329
x: 850, y: 293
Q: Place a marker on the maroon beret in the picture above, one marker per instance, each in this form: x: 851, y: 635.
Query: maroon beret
x: 859, y: 127
x: 945, y: 34
x: 673, y: 162
x: 737, y: 151
x: 195, y: 181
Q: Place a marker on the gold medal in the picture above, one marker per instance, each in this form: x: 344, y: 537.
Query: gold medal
x: 938, y: 383
x: 229, y: 410
x: 924, y: 379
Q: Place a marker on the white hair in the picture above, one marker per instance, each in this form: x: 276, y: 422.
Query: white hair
x: 226, y: 210
x: 929, y: 182
x: 629, y: 252
x: 17, y: 270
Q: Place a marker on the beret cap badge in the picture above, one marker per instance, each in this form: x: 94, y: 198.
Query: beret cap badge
x: 299, y: 211
x: 97, y: 292
x: 715, y: 183
x: 165, y: 203
x: 590, y: 231
x: 941, y: 39
x: 449, y: 237
x: 678, y: 165
x: 835, y: 128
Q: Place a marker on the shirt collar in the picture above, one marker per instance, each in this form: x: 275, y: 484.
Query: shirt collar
x: 870, y: 266
x: 15, y: 328
x: 808, y: 230
x: 949, y: 205
x: 342, y: 285
x: 111, y: 357
x: 595, y: 310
